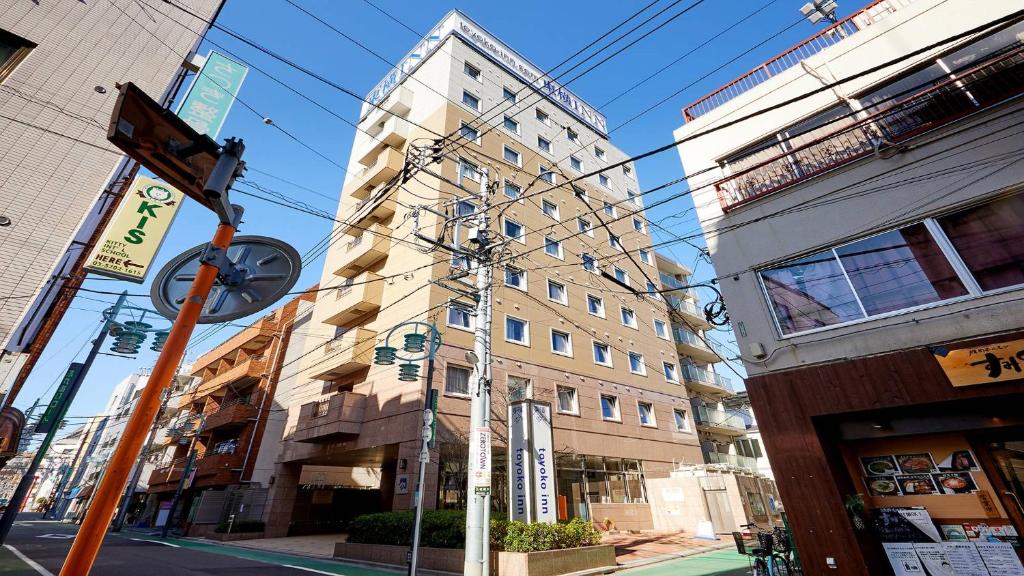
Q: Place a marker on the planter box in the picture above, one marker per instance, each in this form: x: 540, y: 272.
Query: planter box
x: 548, y: 563
x: 554, y: 562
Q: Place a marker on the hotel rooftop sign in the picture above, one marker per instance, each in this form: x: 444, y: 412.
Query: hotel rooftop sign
x: 458, y: 24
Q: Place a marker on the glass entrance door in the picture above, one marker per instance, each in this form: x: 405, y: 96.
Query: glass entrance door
x: 1006, y: 457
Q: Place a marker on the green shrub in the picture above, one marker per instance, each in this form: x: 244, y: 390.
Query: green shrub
x: 440, y: 528
x: 522, y: 537
x: 240, y: 526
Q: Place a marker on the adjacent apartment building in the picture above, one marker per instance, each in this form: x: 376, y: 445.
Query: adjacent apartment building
x: 869, y: 241
x: 562, y: 332
x: 59, y: 63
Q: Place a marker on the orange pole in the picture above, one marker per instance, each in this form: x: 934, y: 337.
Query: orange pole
x: 90, y: 536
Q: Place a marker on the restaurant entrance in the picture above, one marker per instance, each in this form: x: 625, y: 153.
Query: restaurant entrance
x: 1003, y: 460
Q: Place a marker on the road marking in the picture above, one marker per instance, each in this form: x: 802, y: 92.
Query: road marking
x: 155, y: 542
x: 57, y: 536
x: 313, y: 570
x: 32, y: 563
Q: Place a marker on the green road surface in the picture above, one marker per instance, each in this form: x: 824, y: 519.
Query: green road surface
x: 718, y: 563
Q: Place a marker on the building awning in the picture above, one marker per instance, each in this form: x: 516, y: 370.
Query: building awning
x: 85, y: 492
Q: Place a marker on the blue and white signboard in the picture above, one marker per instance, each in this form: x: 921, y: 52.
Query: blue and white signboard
x: 519, y: 463
x: 545, y: 503
x: 531, y: 465
x: 209, y: 99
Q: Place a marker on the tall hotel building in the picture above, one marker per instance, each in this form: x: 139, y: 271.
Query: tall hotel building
x: 561, y: 332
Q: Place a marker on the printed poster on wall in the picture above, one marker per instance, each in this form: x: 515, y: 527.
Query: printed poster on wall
x: 933, y: 558
x: 964, y: 559
x: 905, y: 524
x: 1000, y: 558
x: 903, y: 559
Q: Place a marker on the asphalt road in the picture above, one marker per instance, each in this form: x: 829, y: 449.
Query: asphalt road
x: 46, y: 543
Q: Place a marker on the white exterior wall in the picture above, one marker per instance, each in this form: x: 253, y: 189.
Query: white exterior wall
x: 774, y: 228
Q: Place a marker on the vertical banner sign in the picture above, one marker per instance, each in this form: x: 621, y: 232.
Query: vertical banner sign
x: 206, y: 105
x: 480, y: 475
x: 519, y: 500
x: 133, y: 236
x: 545, y: 507
x: 52, y: 415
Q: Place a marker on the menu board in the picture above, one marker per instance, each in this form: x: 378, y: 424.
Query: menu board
x: 1000, y: 558
x: 917, y: 474
x: 964, y: 559
x: 916, y: 463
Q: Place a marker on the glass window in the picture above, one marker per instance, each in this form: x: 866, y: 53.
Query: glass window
x: 513, y: 156
x: 595, y: 305
x: 603, y: 180
x: 552, y: 247
x: 671, y: 374
x: 509, y: 95
x: 584, y: 226
x: 645, y: 256
x: 13, y: 49
x: 638, y: 225
x: 468, y: 132
x: 549, y: 208
x: 515, y: 277
x: 511, y: 125
x: 547, y: 175
x: 613, y: 241
x: 573, y: 136
x: 646, y: 412
x: 682, y: 425
x: 464, y: 208
x: 456, y: 380
x: 557, y: 292
x: 512, y: 190
x: 810, y: 293
x: 513, y: 229
x: 627, y: 171
x: 518, y: 388
x: 561, y: 342
x: 633, y: 197
x: 609, y: 407
x: 609, y: 209
x: 543, y: 117
x: 661, y: 329
x: 620, y: 275
x: 589, y: 262
x: 575, y: 164
x: 602, y: 354
x: 628, y: 317
x: 990, y: 241
x: 567, y: 400
x: 636, y: 363
x: 460, y: 316
x: 544, y: 144
x: 580, y: 193
x: 469, y: 171
x: 471, y: 71
x: 517, y: 330
x: 599, y: 152
x: 470, y: 100
x: 652, y: 289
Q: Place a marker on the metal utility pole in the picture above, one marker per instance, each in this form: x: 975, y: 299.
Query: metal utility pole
x: 53, y: 416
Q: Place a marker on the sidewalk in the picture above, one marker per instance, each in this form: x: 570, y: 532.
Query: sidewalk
x: 633, y: 550
x: 316, y: 546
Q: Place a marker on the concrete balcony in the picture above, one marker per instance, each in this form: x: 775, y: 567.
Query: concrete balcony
x: 387, y: 164
x: 251, y: 369
x: 374, y: 208
x: 705, y: 381
x: 352, y: 301
x: 339, y: 416
x: 344, y: 355
x: 165, y: 478
x: 393, y: 132
x: 687, y: 310
x: 691, y: 345
x: 361, y: 251
x: 718, y: 422
x: 398, y: 103
x: 252, y: 338
x: 218, y: 469
x: 234, y: 414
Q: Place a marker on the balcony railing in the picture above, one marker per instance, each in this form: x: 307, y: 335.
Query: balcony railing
x: 735, y: 460
x: 870, y: 14
x: 699, y: 375
x: 978, y: 87
x: 710, y: 417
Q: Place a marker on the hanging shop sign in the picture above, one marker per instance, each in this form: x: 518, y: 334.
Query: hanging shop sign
x: 985, y: 364
x: 133, y: 236
x: 206, y: 105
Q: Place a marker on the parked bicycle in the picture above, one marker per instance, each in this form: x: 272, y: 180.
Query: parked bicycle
x: 772, y: 555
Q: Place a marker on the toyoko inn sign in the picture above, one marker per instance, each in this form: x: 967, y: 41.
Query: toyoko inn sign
x: 459, y: 24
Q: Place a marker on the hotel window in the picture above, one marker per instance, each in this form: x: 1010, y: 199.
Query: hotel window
x: 456, y: 380
x: 557, y: 292
x: 513, y: 191
x: 603, y: 180
x: 599, y: 152
x: 620, y: 274
x: 645, y: 256
x: 13, y: 49
x: 546, y: 174
x: 573, y: 136
x: 639, y: 226
x: 580, y: 193
x: 567, y: 400
x: 589, y: 263
x: 517, y: 330
x: 613, y: 241
x: 471, y: 71
x: 575, y: 164
x: 561, y: 342
x: 661, y: 329
x: 646, y: 412
x: 543, y: 117
x: 628, y: 317
x: 515, y: 277
x: 583, y: 225
x: 636, y: 363
x: 470, y: 100
x: 549, y: 209
x: 595, y: 305
x: 627, y: 171
x: 511, y: 125
x: 469, y: 133
x: 509, y: 95
x: 634, y: 198
x: 469, y: 171
x: 671, y: 374
x: 460, y: 316
x: 609, y: 209
x: 653, y: 290
x: 512, y: 156
x: 464, y: 208
x: 682, y: 424
x: 552, y: 247
x: 602, y: 354
x: 519, y: 388
x: 544, y: 144
x: 609, y: 407
x: 514, y: 230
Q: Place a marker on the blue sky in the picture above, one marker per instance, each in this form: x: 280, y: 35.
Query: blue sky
x: 289, y: 156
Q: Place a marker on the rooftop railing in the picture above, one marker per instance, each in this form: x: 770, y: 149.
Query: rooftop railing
x: 874, y: 12
x: 989, y: 83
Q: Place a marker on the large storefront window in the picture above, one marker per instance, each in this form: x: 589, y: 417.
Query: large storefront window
x: 584, y: 480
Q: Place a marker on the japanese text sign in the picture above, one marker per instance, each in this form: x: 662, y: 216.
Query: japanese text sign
x: 206, y: 105
x: 989, y: 363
